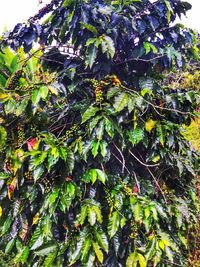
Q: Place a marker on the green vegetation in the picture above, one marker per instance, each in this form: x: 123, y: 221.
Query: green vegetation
x: 94, y: 167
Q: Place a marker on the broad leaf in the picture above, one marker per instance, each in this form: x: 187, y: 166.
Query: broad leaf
x: 98, y: 251
x: 121, y: 101
x: 113, y: 224
x: 90, y: 112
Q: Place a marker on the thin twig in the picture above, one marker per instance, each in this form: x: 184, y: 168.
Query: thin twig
x: 122, y: 156
x: 172, y: 263
x: 157, y: 184
x: 121, y: 162
x: 137, y: 182
x: 139, y: 59
x: 158, y: 107
x: 143, y: 163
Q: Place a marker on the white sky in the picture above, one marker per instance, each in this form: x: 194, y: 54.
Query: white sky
x: 14, y: 11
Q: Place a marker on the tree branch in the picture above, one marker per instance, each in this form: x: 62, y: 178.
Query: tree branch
x: 142, y: 163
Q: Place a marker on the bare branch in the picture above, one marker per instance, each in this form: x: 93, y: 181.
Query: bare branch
x: 157, y: 184
x: 122, y: 156
x: 143, y: 163
x: 121, y: 162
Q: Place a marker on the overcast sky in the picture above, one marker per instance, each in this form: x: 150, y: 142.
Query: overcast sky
x: 14, y: 11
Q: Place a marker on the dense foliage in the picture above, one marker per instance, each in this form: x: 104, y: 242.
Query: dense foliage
x: 94, y: 168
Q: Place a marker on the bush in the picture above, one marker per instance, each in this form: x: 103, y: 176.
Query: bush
x: 94, y: 168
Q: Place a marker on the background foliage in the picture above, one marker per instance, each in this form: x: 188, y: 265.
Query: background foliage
x: 95, y: 170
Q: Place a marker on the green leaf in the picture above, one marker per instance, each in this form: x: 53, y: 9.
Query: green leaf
x: 48, y: 262
x: 101, y: 176
x: 100, y: 130
x: 101, y: 239
x: 67, y: 3
x: 10, y: 245
x: 103, y: 148
x: 113, y: 224
x: 83, y: 214
x: 160, y: 133
x: 90, y: 261
x: 169, y: 10
x: 131, y: 104
x: 35, y: 97
x: 91, y: 216
x: 70, y: 189
x: 85, y: 249
x: 37, y: 243
x: 10, y: 106
x: 183, y: 240
x: 91, y: 41
x: 78, y: 251
x: 46, y: 249
x: 35, y: 236
x: 95, y: 147
x: 21, y: 108
x: 3, y: 136
x: 91, y: 54
x: 51, y: 160
x: 4, y: 175
x: 24, y: 255
x: 109, y: 128
x: 98, y: 213
x: 93, y: 175
x: 53, y: 197
x: 6, y: 225
x: 123, y: 222
x: 138, y: 212
x: 90, y: 112
x: 90, y: 27
x: 98, y: 252
x: 169, y: 253
x: 132, y: 260
x: 135, y: 136
x: 39, y: 159
x: 121, y: 101
x: 70, y: 160
x: 47, y: 223
x: 146, y: 91
x: 44, y: 92
x: 37, y: 173
x: 150, y: 249
x: 108, y: 46
x: 94, y: 122
x: 148, y: 47
x: 113, y: 91
x: 142, y: 260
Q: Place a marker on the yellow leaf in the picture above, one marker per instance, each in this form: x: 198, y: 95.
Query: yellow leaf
x: 54, y: 152
x: 53, y: 90
x: 156, y: 158
x: 166, y: 242
x: 4, y: 96
x: 98, y: 252
x: 142, y: 260
x: 1, y: 211
x: 161, y: 245
x: 9, y: 195
x: 150, y: 124
x: 36, y: 218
